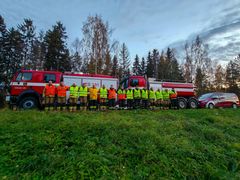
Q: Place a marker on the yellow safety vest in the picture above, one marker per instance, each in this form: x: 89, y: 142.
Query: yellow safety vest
x: 130, y: 94
x: 83, y: 91
x: 103, y: 93
x: 74, y: 91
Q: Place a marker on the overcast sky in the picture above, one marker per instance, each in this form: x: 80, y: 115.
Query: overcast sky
x: 141, y: 24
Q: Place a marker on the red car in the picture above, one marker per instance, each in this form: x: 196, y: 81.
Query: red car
x: 217, y: 99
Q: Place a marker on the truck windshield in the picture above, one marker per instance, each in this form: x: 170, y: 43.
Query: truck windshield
x: 202, y: 97
x: 24, y: 77
x: 134, y: 82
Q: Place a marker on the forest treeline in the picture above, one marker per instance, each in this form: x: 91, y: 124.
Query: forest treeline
x: 98, y: 52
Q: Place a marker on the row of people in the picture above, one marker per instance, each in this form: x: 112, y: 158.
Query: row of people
x: 104, y: 98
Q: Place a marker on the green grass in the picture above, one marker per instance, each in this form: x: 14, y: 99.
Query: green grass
x: 180, y: 144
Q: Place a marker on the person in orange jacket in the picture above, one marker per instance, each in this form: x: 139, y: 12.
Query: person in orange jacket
x: 111, y: 97
x: 61, y: 96
x: 173, y: 99
x: 49, y: 93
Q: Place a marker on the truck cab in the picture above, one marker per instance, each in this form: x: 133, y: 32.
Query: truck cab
x: 133, y: 81
x: 27, y: 87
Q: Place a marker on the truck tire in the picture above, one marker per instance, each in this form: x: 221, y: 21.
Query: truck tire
x: 28, y: 103
x: 234, y: 106
x: 193, y: 103
x: 211, y: 106
x: 182, y: 103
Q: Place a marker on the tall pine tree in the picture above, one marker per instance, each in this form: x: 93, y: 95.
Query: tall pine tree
x: 150, y: 66
x: 27, y: 31
x: 143, y: 67
x: 57, y: 56
x: 13, y: 53
x: 3, y: 32
x: 136, y: 69
x: 124, y: 61
x: 115, y: 67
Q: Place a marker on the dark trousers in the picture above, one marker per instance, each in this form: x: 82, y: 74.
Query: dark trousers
x: 121, y: 103
x: 137, y: 103
x: 130, y: 103
x: 93, y: 105
x: 111, y: 103
x: 145, y: 103
x: 174, y: 103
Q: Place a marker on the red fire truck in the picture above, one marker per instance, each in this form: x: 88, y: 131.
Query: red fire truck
x: 27, y: 86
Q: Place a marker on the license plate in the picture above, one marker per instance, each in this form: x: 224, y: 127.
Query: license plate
x: 7, y: 98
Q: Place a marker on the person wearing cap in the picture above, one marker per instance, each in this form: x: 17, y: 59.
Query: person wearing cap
x: 83, y: 93
x: 61, y: 96
x: 93, y: 95
x: 112, y: 97
x: 49, y: 93
x: 73, y: 97
x: 103, y: 97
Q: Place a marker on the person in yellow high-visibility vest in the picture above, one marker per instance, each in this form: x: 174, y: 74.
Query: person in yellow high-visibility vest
x: 129, y: 95
x: 137, y: 97
x: 152, y: 98
x: 159, y: 98
x: 103, y: 97
x: 166, y: 100
x: 144, y: 98
x: 93, y: 95
x: 83, y: 93
x: 73, y: 97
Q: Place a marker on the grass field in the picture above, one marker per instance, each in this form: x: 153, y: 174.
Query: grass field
x: 120, y: 144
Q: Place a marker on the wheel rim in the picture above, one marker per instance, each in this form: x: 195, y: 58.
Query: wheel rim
x: 181, y: 104
x: 210, y: 106
x: 28, y: 104
x: 193, y: 105
x: 234, y: 106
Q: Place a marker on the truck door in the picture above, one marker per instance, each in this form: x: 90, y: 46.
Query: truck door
x: 22, y: 83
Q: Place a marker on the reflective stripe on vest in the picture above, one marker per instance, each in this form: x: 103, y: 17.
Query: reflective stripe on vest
x: 73, y: 91
x: 137, y: 93
x: 103, y: 93
x: 159, y: 95
x: 144, y: 94
x: 152, y: 95
x: 129, y: 94
x: 83, y: 91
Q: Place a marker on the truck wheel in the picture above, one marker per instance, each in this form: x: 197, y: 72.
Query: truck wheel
x: 192, y: 103
x: 28, y: 103
x: 234, y: 106
x: 182, y: 103
x: 211, y: 106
